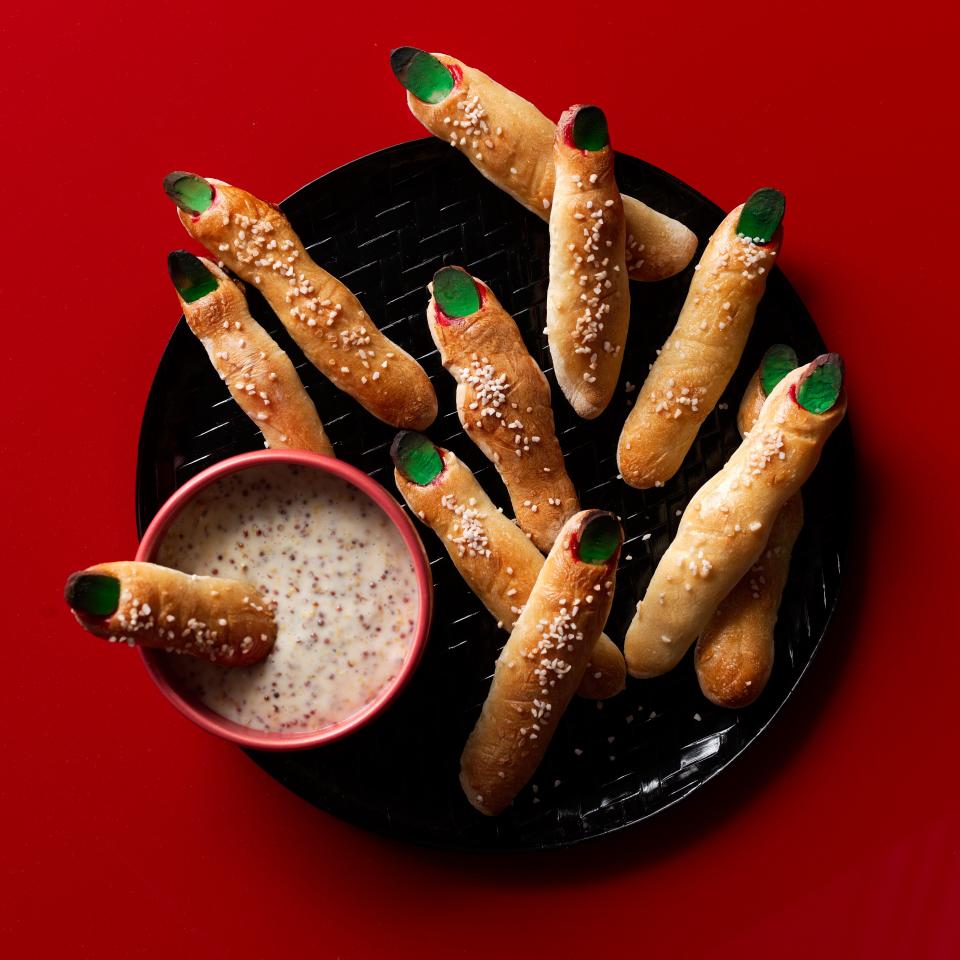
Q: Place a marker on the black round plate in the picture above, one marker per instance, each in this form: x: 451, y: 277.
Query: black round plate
x: 384, y: 224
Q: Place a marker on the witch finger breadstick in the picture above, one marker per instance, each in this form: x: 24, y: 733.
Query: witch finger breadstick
x: 703, y: 351
x: 255, y: 240
x: 257, y: 372
x: 494, y: 557
x: 143, y: 604
x: 543, y: 662
x: 734, y: 654
x: 588, y: 300
x: 503, y: 400
x: 725, y: 527
x: 511, y: 143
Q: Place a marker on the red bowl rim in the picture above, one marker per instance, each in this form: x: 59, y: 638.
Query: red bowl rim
x: 212, y: 722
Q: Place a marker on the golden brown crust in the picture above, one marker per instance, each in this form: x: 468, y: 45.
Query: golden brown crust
x: 696, y: 363
x: 734, y: 654
x: 511, y: 143
x: 224, y: 621
x: 257, y: 372
x: 750, y: 405
x: 503, y: 400
x: 725, y: 527
x: 496, y: 559
x: 537, y: 674
x: 588, y: 300
x: 255, y: 240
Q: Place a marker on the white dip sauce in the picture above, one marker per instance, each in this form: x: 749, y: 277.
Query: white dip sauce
x: 342, y: 580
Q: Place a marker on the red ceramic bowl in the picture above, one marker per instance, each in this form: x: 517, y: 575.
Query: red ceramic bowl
x: 202, y: 715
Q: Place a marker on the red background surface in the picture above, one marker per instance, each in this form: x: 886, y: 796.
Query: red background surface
x: 127, y: 832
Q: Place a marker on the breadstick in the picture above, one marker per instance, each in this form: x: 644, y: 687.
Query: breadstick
x: 542, y: 664
x: 511, y: 143
x: 734, y: 654
x: 588, y: 300
x: 725, y: 527
x: 257, y: 372
x: 146, y: 605
x: 503, y: 400
x: 255, y: 240
x: 696, y: 363
x: 494, y: 557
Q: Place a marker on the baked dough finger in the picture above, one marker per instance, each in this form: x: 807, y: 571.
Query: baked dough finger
x: 146, y: 605
x: 258, y: 374
x: 694, y: 367
x: 588, y: 300
x: 511, y: 143
x: 494, y: 557
x: 543, y: 661
x: 734, y: 654
x: 255, y: 240
x: 503, y: 400
x: 725, y: 527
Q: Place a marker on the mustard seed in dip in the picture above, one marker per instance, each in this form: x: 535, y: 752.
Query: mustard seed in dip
x: 340, y: 575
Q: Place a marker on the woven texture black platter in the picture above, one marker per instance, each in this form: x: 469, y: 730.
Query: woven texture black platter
x: 384, y: 224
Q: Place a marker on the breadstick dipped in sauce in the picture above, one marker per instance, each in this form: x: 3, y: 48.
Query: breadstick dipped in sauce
x: 494, y: 557
x: 258, y: 374
x: 696, y: 363
x: 588, y: 300
x: 503, y: 400
x: 543, y: 661
x: 511, y: 143
x: 734, y: 654
x: 255, y: 240
x: 725, y: 527
x: 227, y: 622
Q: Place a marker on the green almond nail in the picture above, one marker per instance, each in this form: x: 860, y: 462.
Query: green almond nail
x: 820, y: 385
x: 422, y: 74
x: 590, y: 129
x: 93, y: 593
x: 456, y: 292
x: 190, y: 276
x: 600, y: 538
x: 777, y: 362
x: 190, y: 193
x: 416, y: 457
x: 762, y: 214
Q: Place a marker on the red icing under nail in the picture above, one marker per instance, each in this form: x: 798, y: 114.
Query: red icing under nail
x: 793, y: 394
x: 776, y: 241
x: 456, y: 73
x: 566, y: 126
x: 441, y: 317
x: 574, y: 547
x: 443, y: 459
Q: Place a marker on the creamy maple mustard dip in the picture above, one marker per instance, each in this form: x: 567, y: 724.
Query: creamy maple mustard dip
x: 339, y: 573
